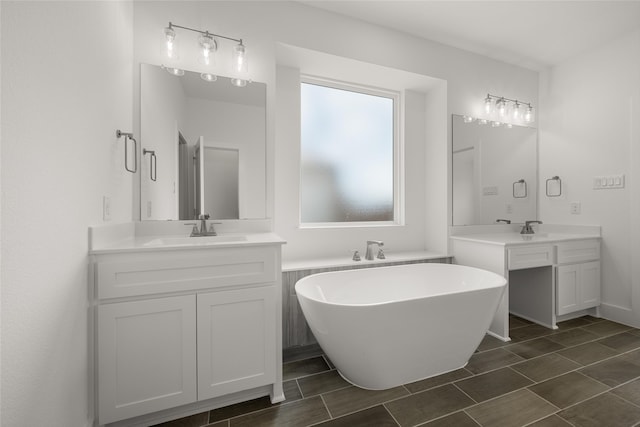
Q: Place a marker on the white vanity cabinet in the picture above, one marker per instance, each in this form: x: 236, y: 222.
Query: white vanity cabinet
x: 577, y: 276
x: 551, y: 276
x: 186, y: 329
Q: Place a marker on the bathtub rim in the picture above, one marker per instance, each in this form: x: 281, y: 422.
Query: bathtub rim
x: 500, y: 282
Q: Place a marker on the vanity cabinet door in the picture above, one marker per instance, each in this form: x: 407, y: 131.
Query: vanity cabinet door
x: 577, y: 287
x: 146, y: 356
x: 567, y: 289
x: 590, y: 284
x: 236, y: 340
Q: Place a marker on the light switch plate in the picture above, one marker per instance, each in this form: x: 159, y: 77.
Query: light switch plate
x: 490, y: 191
x: 606, y: 182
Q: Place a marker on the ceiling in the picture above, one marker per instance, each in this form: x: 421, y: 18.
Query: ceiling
x: 530, y: 34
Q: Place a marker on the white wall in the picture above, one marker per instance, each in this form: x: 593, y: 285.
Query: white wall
x: 266, y: 25
x: 590, y: 126
x: 66, y: 88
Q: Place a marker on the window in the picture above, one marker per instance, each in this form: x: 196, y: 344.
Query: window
x: 349, y: 154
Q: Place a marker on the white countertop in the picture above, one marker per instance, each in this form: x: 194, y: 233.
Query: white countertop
x: 523, y: 239
x: 165, y: 243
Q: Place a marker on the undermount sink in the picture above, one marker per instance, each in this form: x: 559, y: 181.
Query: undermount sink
x: 197, y: 240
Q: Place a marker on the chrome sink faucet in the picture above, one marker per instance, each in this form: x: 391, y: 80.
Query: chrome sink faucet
x: 203, y: 227
x: 369, y: 254
x: 526, y: 228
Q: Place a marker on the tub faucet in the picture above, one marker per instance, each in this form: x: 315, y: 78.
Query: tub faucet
x: 369, y: 254
x: 526, y: 228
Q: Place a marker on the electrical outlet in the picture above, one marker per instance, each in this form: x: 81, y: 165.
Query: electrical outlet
x: 509, y: 208
x: 575, y: 208
x: 106, y: 208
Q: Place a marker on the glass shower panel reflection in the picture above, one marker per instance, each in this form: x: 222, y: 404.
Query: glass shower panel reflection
x: 221, y: 182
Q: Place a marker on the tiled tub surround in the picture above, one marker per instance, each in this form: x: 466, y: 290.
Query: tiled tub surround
x: 586, y: 373
x: 295, y: 331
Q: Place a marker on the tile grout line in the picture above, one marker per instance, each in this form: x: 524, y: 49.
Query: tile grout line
x: 390, y: 414
x: 465, y: 393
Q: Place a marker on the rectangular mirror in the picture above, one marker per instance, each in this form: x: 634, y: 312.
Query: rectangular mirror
x: 494, y: 172
x: 209, y: 142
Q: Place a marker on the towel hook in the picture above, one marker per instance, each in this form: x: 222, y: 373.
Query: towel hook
x: 128, y: 136
x: 153, y: 164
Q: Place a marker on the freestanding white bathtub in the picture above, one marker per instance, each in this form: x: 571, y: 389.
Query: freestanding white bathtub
x: 387, y: 326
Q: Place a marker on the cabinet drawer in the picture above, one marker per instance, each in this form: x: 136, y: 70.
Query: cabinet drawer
x: 578, y: 251
x: 173, y: 271
x: 530, y: 256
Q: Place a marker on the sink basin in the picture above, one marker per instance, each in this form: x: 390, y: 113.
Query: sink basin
x: 190, y: 241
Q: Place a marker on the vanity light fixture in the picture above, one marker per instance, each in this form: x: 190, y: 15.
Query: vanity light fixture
x: 239, y: 82
x: 208, y: 77
x: 174, y: 71
x: 208, y: 46
x: 508, y: 109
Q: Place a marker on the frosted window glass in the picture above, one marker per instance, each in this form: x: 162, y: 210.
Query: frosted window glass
x: 347, y: 148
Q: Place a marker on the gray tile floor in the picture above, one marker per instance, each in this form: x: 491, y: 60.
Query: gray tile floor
x: 586, y: 373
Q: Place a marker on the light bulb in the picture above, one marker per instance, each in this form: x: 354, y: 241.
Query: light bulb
x: 208, y: 77
x: 488, y: 105
x: 208, y: 46
x: 495, y: 124
x: 240, y: 58
x: 515, y: 112
x: 528, y: 114
x: 171, y: 45
x: 483, y: 121
x: 501, y: 106
x: 467, y: 119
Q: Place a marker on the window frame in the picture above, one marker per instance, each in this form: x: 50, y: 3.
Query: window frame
x: 398, y: 152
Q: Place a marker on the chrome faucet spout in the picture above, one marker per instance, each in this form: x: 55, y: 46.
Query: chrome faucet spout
x: 203, y: 223
x: 203, y: 227
x: 369, y: 253
x: 526, y: 228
